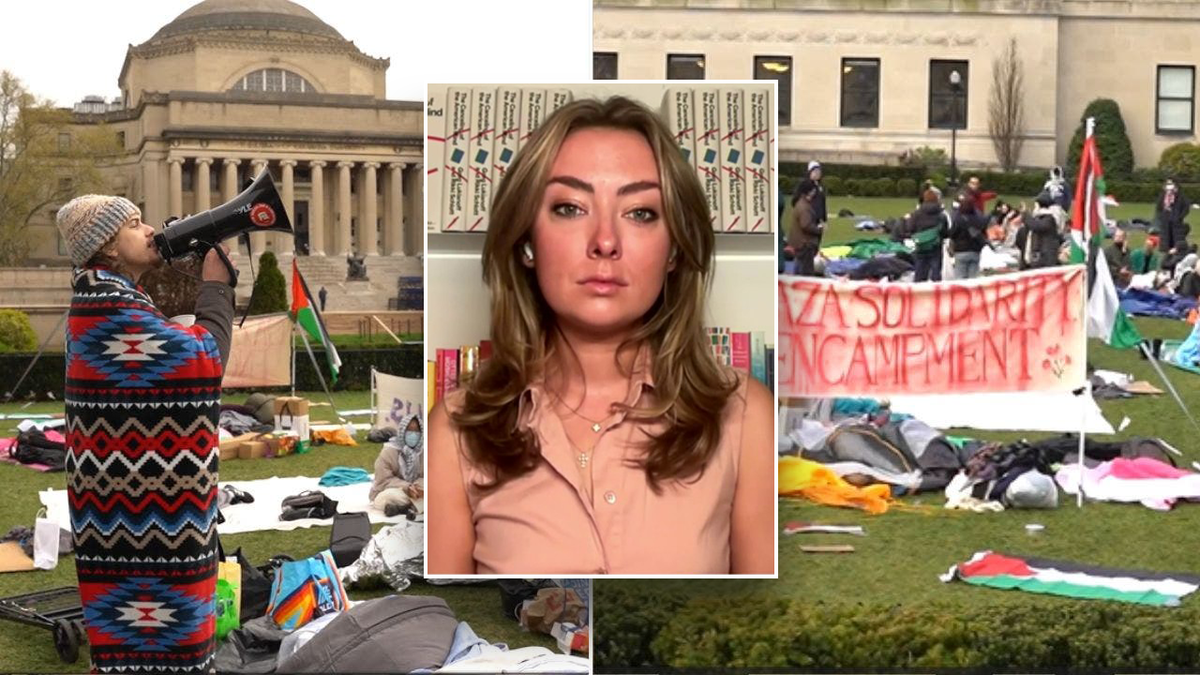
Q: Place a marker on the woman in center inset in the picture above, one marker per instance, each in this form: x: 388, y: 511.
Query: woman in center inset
x: 602, y: 436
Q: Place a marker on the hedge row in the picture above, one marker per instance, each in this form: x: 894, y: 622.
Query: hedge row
x: 770, y: 632
x: 46, y: 378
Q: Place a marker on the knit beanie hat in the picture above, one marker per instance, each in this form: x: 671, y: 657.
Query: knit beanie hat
x: 88, y: 222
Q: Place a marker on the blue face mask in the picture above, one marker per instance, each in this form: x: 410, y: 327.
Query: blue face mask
x: 412, y: 438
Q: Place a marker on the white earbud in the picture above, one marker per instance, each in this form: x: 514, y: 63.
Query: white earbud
x: 528, y: 252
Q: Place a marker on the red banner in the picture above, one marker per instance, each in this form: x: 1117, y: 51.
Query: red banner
x: 1016, y: 332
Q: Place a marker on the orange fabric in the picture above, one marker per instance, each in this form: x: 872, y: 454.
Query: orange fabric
x: 548, y: 523
x: 816, y: 482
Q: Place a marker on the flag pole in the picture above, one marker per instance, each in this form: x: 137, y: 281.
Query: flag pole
x: 1090, y: 162
x: 320, y: 377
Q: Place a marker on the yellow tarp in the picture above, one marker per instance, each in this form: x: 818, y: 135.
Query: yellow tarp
x: 816, y: 482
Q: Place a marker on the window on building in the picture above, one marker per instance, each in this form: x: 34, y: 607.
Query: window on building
x: 302, y: 174
x: 604, y: 65
x: 860, y: 93
x: 64, y: 142
x: 1174, y: 109
x: 274, y: 79
x: 948, y: 106
x: 685, y: 66
x: 778, y: 68
x: 187, y: 177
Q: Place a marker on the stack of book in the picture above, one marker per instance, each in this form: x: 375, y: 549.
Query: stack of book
x: 473, y: 135
x: 745, y: 351
x: 726, y: 133
x: 454, y: 368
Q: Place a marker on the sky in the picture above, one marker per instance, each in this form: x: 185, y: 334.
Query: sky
x: 64, y: 50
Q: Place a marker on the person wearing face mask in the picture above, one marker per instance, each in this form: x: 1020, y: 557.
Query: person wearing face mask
x: 399, y: 470
x: 142, y: 399
x: 601, y: 437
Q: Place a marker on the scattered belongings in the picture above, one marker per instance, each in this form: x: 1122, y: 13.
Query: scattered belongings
x: 1154, y: 483
x: 311, y: 504
x: 816, y: 482
x: 1071, y: 579
x: 831, y: 548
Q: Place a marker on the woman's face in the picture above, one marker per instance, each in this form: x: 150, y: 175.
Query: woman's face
x: 135, y: 246
x: 600, y: 240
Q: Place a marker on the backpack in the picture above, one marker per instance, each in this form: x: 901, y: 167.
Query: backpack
x: 927, y: 240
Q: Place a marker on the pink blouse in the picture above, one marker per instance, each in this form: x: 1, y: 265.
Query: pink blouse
x: 544, y: 523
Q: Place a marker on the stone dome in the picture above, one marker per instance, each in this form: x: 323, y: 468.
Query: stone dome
x: 246, y: 14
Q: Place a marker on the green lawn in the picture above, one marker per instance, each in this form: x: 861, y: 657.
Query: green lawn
x: 27, y: 649
x: 897, y: 563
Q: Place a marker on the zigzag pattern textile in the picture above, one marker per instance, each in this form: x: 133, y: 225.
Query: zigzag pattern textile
x: 142, y: 401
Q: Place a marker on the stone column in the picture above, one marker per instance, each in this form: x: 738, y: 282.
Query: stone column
x: 316, y: 210
x: 344, y: 208
x: 393, y: 237
x: 258, y: 240
x: 229, y: 187
x: 283, y: 242
x: 368, y: 232
x: 416, y: 225
x: 203, y: 198
x: 175, y: 187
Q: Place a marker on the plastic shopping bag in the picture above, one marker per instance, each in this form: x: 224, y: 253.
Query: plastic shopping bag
x: 45, y: 542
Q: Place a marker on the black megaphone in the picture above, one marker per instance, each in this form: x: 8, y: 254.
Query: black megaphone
x: 258, y: 208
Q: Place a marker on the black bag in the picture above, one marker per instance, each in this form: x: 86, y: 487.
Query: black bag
x: 33, y: 447
x: 348, y: 537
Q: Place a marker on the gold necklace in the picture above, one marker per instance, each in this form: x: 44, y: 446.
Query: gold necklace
x: 596, y: 424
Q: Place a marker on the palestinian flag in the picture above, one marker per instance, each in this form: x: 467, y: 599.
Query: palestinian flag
x: 1106, y: 320
x: 1056, y: 577
x: 304, y: 312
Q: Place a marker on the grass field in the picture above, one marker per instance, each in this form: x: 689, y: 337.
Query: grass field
x: 897, y: 563
x: 28, y: 649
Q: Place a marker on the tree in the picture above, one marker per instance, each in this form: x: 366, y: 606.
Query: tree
x: 45, y: 160
x: 1116, y: 152
x: 270, y: 289
x: 175, y: 286
x: 1006, y: 106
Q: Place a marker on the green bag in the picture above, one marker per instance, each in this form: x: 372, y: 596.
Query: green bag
x: 927, y: 240
x: 227, y: 618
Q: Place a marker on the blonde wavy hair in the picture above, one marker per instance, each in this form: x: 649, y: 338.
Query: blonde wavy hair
x: 690, y: 387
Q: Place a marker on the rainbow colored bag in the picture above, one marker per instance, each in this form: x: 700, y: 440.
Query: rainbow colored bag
x: 306, y: 589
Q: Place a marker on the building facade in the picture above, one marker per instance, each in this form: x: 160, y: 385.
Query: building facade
x: 868, y: 80
x: 234, y: 87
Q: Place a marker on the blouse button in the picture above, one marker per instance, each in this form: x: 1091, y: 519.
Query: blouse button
x: 610, y: 497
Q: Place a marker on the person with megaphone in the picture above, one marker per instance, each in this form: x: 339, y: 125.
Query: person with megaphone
x: 142, y: 397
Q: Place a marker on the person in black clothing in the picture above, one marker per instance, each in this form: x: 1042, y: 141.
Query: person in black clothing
x: 818, y: 201
x: 1041, y: 241
x: 928, y: 226
x: 967, y: 236
x: 1169, y: 213
x: 1116, y: 255
x: 1189, y: 283
x: 321, y: 295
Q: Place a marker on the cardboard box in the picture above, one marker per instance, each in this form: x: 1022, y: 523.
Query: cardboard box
x: 291, y: 416
x: 229, y: 446
x: 252, y: 450
x: 293, y: 405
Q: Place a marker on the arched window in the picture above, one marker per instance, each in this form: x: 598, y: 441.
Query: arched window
x: 274, y: 79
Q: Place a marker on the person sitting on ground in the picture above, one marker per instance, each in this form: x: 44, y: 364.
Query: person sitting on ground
x: 1189, y: 283
x: 399, y: 478
x: 1042, y: 239
x: 1146, y: 259
x: 928, y: 227
x: 1116, y: 255
x: 804, y: 237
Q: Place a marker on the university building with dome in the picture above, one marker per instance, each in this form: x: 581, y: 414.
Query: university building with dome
x: 232, y: 87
